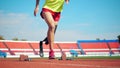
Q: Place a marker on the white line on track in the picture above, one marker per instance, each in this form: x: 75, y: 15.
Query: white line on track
x: 80, y: 65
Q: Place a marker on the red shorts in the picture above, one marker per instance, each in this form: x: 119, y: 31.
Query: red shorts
x: 55, y: 15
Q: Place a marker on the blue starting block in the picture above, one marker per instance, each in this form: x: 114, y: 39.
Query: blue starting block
x: 3, y: 54
x: 74, y: 53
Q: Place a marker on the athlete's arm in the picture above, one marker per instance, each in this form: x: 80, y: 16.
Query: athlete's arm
x: 36, y: 7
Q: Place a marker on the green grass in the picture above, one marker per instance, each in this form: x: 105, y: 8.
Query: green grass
x: 82, y: 57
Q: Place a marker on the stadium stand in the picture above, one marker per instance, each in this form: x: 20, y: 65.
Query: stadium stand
x: 83, y: 47
x: 99, y: 47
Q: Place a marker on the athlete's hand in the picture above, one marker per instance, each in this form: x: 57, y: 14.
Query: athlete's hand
x: 67, y: 1
x: 36, y: 11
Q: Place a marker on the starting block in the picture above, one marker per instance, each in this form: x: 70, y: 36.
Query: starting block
x: 63, y: 56
x: 24, y: 58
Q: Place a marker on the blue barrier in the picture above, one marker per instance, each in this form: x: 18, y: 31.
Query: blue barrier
x: 90, y: 41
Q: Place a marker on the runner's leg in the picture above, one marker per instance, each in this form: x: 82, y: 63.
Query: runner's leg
x: 50, y: 34
x: 46, y: 39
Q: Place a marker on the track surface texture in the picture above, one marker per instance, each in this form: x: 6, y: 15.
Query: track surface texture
x: 46, y: 63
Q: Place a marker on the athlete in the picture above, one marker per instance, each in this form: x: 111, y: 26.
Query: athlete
x: 51, y: 14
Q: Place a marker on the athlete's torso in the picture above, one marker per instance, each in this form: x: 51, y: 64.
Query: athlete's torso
x: 54, y: 5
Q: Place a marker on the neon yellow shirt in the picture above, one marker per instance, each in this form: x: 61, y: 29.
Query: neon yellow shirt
x: 54, y: 5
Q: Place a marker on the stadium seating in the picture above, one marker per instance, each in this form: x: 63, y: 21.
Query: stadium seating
x: 89, y: 47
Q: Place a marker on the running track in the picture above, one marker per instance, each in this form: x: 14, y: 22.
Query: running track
x: 45, y: 63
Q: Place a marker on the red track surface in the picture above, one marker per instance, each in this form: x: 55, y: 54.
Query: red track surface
x: 45, y: 63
